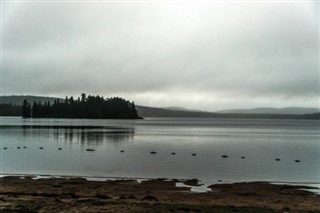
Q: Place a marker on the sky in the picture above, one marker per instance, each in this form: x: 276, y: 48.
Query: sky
x: 196, y: 54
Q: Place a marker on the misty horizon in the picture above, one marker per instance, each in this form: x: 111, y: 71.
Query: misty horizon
x: 206, y: 56
x: 179, y: 108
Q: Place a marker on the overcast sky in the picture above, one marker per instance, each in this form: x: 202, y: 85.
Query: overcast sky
x: 199, y: 55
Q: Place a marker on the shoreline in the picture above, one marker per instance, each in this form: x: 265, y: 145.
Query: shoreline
x: 106, y: 178
x: 75, y: 194
x: 195, y: 184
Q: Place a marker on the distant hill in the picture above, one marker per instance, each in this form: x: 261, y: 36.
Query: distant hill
x: 161, y: 112
x: 286, y: 110
x: 176, y: 108
x: 181, y: 109
x: 18, y: 99
x: 169, y: 112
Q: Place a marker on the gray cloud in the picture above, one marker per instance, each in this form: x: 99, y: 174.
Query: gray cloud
x: 203, y: 55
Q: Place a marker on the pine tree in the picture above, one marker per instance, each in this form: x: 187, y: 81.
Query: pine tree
x: 26, y: 109
x: 85, y: 107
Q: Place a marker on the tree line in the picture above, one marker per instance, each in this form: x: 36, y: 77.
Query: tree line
x: 10, y: 110
x: 83, y: 107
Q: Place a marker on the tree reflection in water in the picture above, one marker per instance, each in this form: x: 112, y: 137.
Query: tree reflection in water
x: 81, y: 134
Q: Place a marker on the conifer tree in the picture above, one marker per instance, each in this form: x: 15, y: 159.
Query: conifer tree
x: 85, y: 107
x: 26, y: 109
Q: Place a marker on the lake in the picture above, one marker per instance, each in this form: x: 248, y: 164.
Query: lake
x: 218, y: 150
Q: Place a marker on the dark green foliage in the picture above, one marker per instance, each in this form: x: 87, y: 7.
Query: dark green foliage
x: 85, y: 107
x: 26, y: 109
x: 10, y: 110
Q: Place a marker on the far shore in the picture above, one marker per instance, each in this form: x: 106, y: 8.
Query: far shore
x: 26, y: 194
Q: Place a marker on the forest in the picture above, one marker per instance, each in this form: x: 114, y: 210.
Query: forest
x: 10, y: 110
x: 83, y: 107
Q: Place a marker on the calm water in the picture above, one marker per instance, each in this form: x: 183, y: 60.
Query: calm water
x: 259, y: 141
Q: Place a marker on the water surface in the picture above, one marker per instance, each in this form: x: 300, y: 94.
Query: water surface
x: 122, y: 148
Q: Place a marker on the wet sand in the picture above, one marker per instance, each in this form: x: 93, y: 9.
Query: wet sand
x: 81, y: 195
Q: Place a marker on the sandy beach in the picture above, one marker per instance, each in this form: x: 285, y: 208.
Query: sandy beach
x: 80, y: 195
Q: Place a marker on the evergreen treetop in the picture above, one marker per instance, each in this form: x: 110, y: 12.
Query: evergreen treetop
x: 84, y: 107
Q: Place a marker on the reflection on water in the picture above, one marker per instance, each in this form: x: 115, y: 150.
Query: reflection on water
x: 77, y: 134
x: 94, y: 136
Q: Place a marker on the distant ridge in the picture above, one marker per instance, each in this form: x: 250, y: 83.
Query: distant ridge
x: 270, y: 110
x: 161, y: 112
x: 181, y: 109
x: 174, y: 113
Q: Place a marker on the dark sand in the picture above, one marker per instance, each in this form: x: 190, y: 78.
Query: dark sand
x: 80, y: 195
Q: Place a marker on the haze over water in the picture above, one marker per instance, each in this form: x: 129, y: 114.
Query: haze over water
x: 122, y: 148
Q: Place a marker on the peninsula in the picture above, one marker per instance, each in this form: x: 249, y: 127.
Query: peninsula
x: 96, y: 107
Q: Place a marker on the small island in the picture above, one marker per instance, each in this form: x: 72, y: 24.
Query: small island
x: 96, y: 107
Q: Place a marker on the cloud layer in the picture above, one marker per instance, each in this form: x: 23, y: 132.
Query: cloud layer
x: 199, y: 55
